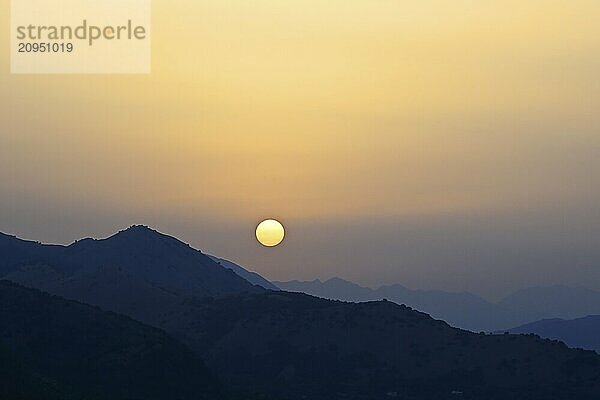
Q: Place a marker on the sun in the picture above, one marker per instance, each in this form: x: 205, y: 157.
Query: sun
x: 270, y: 233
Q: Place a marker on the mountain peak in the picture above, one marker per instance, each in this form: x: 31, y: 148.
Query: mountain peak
x: 157, y: 259
x: 139, y: 230
x: 142, y: 234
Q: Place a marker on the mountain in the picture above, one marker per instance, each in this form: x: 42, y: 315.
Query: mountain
x: 52, y: 348
x: 581, y: 333
x: 160, y: 260
x: 553, y: 302
x: 296, y: 346
x: 463, y: 310
x: 137, y: 272
x: 250, y: 276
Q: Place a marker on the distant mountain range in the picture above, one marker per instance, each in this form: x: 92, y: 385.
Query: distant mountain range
x: 581, y: 333
x: 289, y: 345
x: 464, y: 310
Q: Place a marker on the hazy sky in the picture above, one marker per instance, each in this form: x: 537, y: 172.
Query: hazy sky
x: 438, y: 144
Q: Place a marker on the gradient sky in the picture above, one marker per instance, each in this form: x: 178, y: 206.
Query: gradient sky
x: 448, y: 145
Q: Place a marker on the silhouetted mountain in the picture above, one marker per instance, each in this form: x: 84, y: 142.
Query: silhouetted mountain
x: 303, y: 347
x: 161, y: 260
x: 51, y: 348
x: 250, y: 276
x: 137, y: 272
x: 553, y: 302
x: 158, y: 259
x: 581, y: 333
x: 463, y: 310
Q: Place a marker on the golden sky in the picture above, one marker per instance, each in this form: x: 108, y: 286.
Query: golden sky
x: 310, y: 111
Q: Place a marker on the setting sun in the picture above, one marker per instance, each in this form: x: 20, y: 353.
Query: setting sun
x: 270, y: 233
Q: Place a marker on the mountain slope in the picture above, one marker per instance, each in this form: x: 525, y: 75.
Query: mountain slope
x: 64, y: 348
x: 18, y: 382
x: 250, y: 276
x: 305, y: 347
x: 581, y: 332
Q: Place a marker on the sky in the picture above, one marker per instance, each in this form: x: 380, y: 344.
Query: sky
x: 441, y: 145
